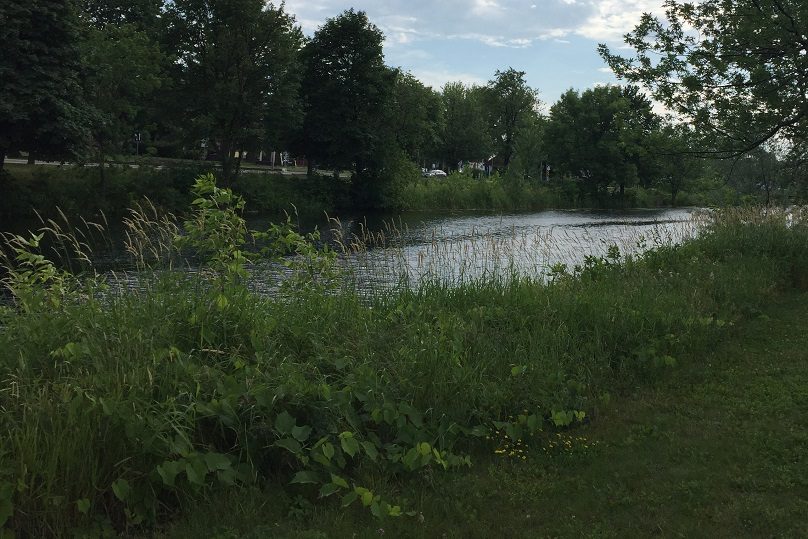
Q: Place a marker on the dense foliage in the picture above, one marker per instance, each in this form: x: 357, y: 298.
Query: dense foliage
x: 734, y: 68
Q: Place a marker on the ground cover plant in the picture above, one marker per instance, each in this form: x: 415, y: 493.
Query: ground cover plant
x: 125, y: 405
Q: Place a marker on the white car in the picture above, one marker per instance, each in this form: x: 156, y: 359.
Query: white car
x: 436, y: 173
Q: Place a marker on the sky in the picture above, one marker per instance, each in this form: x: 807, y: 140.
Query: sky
x: 553, y: 41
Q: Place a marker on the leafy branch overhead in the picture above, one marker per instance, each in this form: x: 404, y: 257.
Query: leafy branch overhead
x: 736, y: 69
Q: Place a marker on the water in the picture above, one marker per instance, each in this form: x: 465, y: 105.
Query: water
x: 409, y: 249
x: 468, y: 246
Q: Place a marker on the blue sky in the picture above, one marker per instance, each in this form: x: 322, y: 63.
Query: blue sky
x: 553, y: 41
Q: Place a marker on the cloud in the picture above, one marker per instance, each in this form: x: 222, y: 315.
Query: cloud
x: 496, y: 23
x: 610, y: 20
x: 437, y: 78
x: 486, y: 8
x: 468, y: 40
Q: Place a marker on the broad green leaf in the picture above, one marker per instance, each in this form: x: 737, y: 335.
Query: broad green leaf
x: 328, y: 489
x: 305, y: 476
x: 371, y: 450
x: 394, y: 511
x: 196, y: 471
x: 337, y: 480
x: 168, y: 471
x: 301, y: 433
x: 349, y: 444
x: 284, y: 423
x: 290, y: 444
x: 83, y: 506
x: 411, y: 459
x: 217, y: 461
x: 349, y: 498
x: 228, y: 476
x: 121, y: 489
x: 376, y: 510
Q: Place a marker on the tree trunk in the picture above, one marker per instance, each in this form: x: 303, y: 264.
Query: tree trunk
x: 31, y: 158
x: 237, y: 168
x: 2, y: 160
x: 309, y: 168
x: 102, y: 173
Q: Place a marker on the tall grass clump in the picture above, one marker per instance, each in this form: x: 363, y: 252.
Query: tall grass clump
x: 121, y: 405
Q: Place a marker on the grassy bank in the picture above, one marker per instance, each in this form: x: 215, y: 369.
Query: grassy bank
x: 80, y: 191
x: 715, y: 449
x: 462, y: 191
x: 124, y: 408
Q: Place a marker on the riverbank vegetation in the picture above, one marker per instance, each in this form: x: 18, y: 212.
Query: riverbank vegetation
x: 78, y: 191
x: 127, y: 402
x: 695, y: 454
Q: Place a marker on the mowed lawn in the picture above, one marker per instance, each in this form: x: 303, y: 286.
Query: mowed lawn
x: 719, y: 449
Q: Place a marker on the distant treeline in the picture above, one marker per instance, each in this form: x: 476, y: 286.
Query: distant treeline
x: 93, y: 80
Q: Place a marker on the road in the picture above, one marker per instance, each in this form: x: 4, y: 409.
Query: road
x: 246, y: 170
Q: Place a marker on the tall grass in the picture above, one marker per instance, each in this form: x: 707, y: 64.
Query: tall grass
x: 460, y: 191
x: 119, y: 406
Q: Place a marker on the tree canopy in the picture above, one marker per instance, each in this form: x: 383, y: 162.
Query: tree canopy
x: 602, y: 136
x: 466, y: 134
x: 232, y: 66
x: 346, y: 88
x: 510, y: 102
x: 221, y: 79
x: 42, y: 110
x: 737, y: 70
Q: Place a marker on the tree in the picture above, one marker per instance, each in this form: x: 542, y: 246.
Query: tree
x: 674, y: 147
x: 736, y: 69
x: 346, y: 89
x: 232, y: 73
x: 141, y: 14
x: 510, y: 101
x: 41, y: 109
x: 123, y: 68
x: 601, y: 136
x: 466, y: 136
x: 530, y: 154
x: 416, y: 117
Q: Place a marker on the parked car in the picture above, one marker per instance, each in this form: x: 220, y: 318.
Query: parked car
x: 436, y: 173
